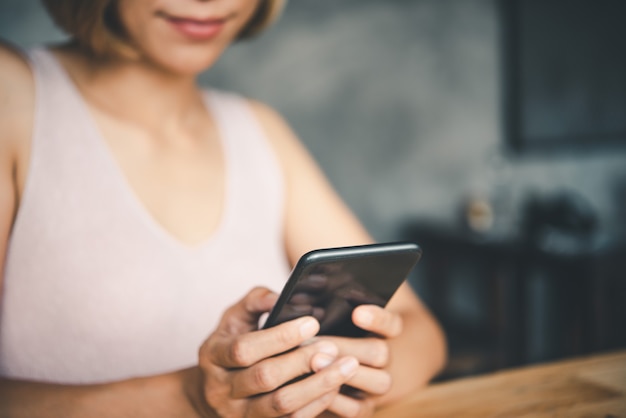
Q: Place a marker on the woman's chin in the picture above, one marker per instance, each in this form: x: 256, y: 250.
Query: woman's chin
x: 189, y: 69
x: 189, y: 63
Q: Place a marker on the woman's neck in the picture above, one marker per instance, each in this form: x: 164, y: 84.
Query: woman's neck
x: 134, y: 90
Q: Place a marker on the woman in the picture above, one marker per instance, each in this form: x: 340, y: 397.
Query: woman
x: 137, y: 210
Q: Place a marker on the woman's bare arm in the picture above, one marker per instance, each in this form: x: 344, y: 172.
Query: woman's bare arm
x: 16, y: 114
x: 316, y: 217
x: 168, y: 395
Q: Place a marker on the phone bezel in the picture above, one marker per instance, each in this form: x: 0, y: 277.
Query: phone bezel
x: 329, y: 255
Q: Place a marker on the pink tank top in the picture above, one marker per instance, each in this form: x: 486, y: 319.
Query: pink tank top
x: 95, y: 289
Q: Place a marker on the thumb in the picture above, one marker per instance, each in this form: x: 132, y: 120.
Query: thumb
x: 244, y: 315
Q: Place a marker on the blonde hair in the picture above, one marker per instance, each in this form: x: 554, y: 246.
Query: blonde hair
x: 93, y: 23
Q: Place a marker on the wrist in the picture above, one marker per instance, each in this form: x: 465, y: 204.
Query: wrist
x: 193, y: 388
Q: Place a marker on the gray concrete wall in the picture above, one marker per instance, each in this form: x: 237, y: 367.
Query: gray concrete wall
x: 399, y: 101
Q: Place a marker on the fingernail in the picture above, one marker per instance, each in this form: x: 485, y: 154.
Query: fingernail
x: 321, y: 361
x: 348, y: 366
x: 308, y: 328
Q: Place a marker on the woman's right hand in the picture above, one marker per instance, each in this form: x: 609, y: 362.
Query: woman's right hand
x: 245, y: 370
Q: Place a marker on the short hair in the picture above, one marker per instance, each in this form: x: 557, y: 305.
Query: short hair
x: 94, y: 23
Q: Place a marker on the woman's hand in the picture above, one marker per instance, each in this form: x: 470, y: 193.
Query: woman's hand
x: 245, y: 369
x: 372, y: 380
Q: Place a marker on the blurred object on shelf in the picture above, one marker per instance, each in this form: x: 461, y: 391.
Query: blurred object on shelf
x: 553, y: 290
x: 479, y: 215
x: 560, y: 223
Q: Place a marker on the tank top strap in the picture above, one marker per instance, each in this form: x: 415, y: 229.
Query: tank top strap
x: 248, y: 149
x: 56, y: 93
x: 61, y: 122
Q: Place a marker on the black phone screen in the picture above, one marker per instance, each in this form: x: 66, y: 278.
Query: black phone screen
x: 328, y: 284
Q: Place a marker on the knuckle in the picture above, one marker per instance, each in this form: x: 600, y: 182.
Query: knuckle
x: 331, y: 380
x: 265, y: 377
x: 228, y: 315
x: 250, y: 299
x: 285, y: 337
x: 281, y: 403
x: 213, y: 397
x: 239, y: 353
x: 352, y: 410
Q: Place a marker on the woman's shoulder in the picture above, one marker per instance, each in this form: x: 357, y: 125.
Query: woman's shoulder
x: 292, y: 154
x: 15, y: 73
x: 17, y: 95
x: 263, y: 112
x: 17, y: 110
x: 276, y: 130
x: 272, y: 122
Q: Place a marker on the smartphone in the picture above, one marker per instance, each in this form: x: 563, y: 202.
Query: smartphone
x: 329, y: 283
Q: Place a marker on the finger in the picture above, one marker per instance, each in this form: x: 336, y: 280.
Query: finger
x: 316, y: 407
x: 273, y: 372
x: 249, y: 348
x: 291, y: 398
x: 371, y: 381
x: 377, y: 320
x: 347, y: 407
x: 244, y: 315
x: 373, y: 352
x: 259, y: 299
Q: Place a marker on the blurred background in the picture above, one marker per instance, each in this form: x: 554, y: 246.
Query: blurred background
x: 492, y: 133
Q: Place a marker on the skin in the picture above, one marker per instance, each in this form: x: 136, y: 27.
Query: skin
x: 175, y: 166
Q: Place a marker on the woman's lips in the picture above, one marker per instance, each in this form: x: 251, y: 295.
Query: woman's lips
x: 197, y: 29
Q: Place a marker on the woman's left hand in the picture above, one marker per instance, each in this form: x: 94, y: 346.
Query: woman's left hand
x: 372, y: 380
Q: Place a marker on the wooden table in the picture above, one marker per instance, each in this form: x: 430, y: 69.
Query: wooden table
x: 586, y: 387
